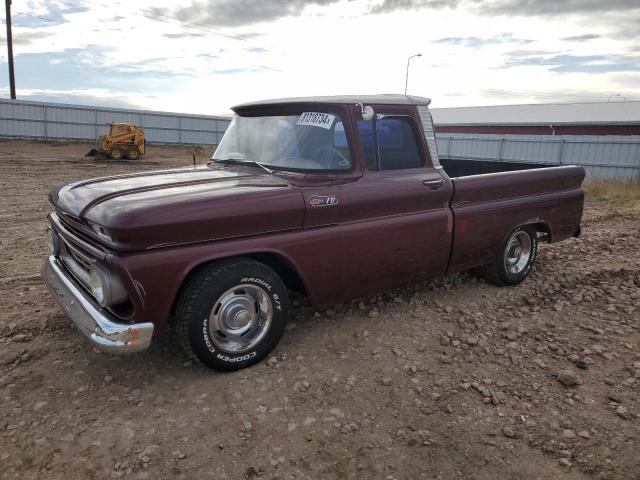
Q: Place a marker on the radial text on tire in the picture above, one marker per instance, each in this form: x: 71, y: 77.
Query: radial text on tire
x: 231, y: 314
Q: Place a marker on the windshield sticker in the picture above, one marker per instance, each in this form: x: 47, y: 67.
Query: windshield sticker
x: 316, y: 119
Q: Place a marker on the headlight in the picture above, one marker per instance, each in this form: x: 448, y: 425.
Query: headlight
x: 97, y: 284
x: 106, y: 286
x: 53, y: 242
x: 101, y: 231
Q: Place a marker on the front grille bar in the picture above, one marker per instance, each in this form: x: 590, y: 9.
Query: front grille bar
x: 70, y: 237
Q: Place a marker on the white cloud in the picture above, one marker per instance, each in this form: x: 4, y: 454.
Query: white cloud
x: 325, y: 48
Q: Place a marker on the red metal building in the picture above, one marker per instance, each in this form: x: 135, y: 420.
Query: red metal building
x: 603, y: 118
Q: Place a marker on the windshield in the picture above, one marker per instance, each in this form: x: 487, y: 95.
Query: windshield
x: 308, y: 141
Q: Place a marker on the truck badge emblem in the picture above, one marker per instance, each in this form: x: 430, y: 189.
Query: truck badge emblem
x: 323, y: 200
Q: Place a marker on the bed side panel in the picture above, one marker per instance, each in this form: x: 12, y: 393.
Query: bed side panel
x: 487, y: 208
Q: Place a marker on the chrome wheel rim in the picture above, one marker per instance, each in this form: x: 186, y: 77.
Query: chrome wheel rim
x: 518, y: 252
x: 240, y: 318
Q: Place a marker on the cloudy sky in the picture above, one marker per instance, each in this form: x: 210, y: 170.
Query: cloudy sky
x: 204, y: 56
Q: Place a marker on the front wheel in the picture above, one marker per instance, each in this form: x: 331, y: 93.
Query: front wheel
x: 116, y: 153
x: 231, y: 314
x: 516, y: 258
x: 133, y: 153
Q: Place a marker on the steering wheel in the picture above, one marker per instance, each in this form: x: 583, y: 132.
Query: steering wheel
x: 321, y: 157
x: 297, y: 162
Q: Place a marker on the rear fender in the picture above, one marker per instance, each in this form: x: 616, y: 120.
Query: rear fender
x: 537, y: 224
x: 487, y: 208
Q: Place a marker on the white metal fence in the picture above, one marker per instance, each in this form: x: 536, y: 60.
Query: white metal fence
x: 614, y: 157
x: 55, y: 121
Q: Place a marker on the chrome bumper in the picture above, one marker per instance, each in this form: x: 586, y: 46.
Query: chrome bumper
x: 104, y: 332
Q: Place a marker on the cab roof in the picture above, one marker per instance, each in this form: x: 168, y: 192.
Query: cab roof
x: 386, y: 99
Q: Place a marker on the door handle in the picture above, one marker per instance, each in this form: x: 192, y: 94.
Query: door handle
x: 433, y: 184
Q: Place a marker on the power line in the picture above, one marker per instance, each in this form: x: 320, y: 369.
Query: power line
x: 169, y: 19
x: 261, y: 66
x: 51, y: 20
x: 207, y: 30
x: 208, y: 27
x: 149, y: 16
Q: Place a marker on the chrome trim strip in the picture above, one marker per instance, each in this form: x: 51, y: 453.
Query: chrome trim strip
x: 74, y: 239
x: 100, y: 327
x: 76, y: 270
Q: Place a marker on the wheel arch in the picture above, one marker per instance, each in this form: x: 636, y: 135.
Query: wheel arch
x: 284, y: 267
x: 277, y: 261
x: 540, y: 226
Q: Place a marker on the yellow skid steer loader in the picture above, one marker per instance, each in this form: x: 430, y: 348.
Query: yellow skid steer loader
x: 123, y: 140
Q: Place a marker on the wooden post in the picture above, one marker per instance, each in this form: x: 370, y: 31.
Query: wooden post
x: 12, y: 78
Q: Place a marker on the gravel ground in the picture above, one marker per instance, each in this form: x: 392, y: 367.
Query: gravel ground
x: 443, y: 380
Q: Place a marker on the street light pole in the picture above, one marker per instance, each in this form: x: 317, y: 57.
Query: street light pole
x: 406, y: 79
x: 12, y: 78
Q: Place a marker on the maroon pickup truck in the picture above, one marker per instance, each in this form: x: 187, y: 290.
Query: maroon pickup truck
x: 334, y: 197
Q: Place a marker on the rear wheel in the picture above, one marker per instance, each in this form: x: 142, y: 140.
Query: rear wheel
x: 133, y: 153
x: 116, y: 153
x: 231, y: 314
x: 515, y: 261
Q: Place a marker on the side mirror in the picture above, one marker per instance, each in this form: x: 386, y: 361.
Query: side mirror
x: 366, y: 112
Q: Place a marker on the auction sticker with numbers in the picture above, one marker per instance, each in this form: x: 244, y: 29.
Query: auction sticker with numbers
x: 316, y: 119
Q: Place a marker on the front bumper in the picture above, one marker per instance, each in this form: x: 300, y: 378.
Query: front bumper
x: 101, y: 328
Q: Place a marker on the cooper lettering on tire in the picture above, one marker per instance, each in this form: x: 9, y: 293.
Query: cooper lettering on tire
x: 231, y: 314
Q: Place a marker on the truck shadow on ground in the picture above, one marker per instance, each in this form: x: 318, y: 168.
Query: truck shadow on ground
x: 307, y: 327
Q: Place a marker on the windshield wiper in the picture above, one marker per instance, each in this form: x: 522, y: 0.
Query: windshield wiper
x: 239, y: 161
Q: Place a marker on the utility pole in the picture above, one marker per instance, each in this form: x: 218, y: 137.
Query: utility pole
x: 12, y: 77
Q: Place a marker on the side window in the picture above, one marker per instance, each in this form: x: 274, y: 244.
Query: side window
x: 397, y: 145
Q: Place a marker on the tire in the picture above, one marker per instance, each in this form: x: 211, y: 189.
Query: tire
x: 514, y: 264
x: 116, y: 153
x: 223, y: 299
x: 133, y: 153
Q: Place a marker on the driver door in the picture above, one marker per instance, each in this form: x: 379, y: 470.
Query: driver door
x: 391, y: 225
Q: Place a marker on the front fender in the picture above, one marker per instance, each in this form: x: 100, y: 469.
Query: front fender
x: 154, y: 277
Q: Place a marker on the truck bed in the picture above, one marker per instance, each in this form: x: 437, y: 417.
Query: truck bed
x: 490, y: 199
x: 465, y: 167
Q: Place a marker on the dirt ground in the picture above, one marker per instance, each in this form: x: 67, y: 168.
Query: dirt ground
x: 453, y: 379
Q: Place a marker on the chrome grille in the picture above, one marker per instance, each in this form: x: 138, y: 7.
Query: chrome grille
x: 71, y: 224
x: 77, y: 261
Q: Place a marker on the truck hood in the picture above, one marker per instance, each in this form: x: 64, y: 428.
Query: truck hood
x: 172, y: 207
